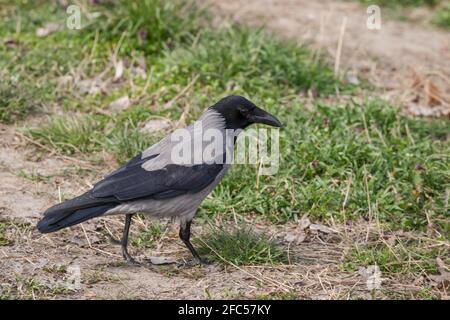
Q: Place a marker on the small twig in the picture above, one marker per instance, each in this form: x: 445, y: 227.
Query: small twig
x: 182, y: 92
x: 59, y: 194
x: 366, y: 129
x: 86, y: 236
x: 337, y: 61
x: 4, y: 253
x: 105, y: 252
x: 408, y: 133
x: 147, y: 83
x: 369, y: 203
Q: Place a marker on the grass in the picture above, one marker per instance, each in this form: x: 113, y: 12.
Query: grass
x: 86, y: 134
x: 70, y: 135
x: 4, y: 240
x: 442, y: 17
x: 339, y: 161
x: 177, y: 49
x: 394, y: 168
x: 277, y: 296
x: 249, y: 60
x: 12, y: 226
x: 31, y: 288
x: 399, y: 257
x: 17, y: 100
x: 148, y: 237
x: 241, y: 247
x: 98, y: 276
x: 5, y: 292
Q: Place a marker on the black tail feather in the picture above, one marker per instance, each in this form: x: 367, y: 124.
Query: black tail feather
x: 75, y: 211
x: 55, y: 221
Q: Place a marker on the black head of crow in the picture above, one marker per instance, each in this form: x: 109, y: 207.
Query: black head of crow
x: 239, y: 113
x: 152, y: 184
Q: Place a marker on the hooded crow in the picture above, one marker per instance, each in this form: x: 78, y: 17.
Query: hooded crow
x: 155, y: 183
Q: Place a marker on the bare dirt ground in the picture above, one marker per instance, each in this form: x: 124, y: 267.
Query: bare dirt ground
x: 408, y: 63
x: 404, y: 61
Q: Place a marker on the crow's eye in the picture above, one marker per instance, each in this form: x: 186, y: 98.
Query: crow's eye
x: 243, y: 110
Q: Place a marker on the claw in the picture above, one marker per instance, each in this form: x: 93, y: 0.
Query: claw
x: 204, y: 262
x: 130, y: 260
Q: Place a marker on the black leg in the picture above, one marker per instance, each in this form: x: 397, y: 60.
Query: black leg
x: 124, y: 242
x: 185, y: 235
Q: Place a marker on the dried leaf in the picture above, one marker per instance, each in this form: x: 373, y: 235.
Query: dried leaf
x: 120, y: 104
x: 118, y: 71
x: 138, y: 71
x: 321, y: 228
x: 155, y: 125
x: 432, y: 93
x: 352, y: 78
x: 91, y: 86
x: 64, y: 82
x: 295, y: 237
x: 90, y: 294
x: 444, y: 277
x: 425, y: 111
x: 162, y: 260
x: 417, y: 80
x: 49, y: 28
x: 304, y: 223
x: 290, y: 237
x: 109, y: 160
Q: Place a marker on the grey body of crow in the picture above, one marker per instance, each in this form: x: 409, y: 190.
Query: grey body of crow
x: 182, y: 206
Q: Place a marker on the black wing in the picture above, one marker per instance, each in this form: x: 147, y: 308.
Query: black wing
x: 132, y: 182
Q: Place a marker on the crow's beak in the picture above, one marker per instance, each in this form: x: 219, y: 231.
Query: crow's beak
x: 260, y: 116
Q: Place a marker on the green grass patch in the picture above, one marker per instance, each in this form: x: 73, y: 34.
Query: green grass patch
x: 250, y: 60
x: 278, y: 296
x: 30, y: 65
x: 153, y: 25
x: 18, y: 100
x: 70, y: 135
x: 422, y: 294
x: 174, y: 37
x: 31, y: 288
x: 241, y: 247
x: 383, y: 164
x: 6, y: 292
x: 6, y: 228
x: 371, y: 156
x: 4, y: 240
x: 148, y: 237
x: 441, y: 17
x: 90, y: 135
x: 402, y: 257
